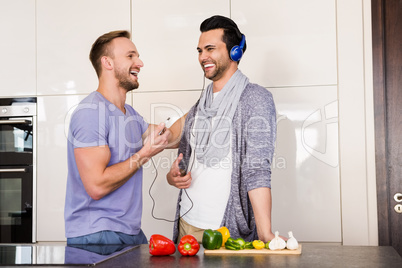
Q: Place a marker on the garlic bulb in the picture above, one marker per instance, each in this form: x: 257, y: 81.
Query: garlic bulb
x: 292, y: 242
x: 277, y: 242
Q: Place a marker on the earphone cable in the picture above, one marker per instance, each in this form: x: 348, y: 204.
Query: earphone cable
x: 185, y: 191
x: 153, y: 200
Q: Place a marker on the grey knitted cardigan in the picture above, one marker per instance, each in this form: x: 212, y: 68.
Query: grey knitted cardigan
x: 253, y: 141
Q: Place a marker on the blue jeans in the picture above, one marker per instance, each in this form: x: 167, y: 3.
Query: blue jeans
x: 108, y: 238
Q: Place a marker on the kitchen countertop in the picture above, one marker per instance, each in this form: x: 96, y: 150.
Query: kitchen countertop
x: 313, y: 255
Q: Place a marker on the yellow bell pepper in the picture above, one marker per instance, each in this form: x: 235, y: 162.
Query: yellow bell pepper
x: 258, y: 244
x: 225, y: 234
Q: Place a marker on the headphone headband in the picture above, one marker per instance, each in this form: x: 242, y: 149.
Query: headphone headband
x: 242, y: 42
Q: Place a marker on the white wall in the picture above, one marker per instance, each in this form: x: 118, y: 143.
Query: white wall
x: 313, y: 55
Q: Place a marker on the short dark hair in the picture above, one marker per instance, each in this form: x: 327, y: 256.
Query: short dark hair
x: 100, y: 48
x: 231, y: 33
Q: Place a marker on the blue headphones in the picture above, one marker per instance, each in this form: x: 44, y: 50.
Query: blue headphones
x: 237, y: 51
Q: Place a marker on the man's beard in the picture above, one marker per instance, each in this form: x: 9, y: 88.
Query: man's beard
x: 220, y: 69
x: 125, y: 81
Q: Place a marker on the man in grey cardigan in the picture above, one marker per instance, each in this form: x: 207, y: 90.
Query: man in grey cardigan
x: 227, y: 145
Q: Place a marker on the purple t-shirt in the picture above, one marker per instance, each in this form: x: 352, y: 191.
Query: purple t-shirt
x: 97, y: 122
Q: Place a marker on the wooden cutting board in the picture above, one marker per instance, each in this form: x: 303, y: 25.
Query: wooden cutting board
x: 224, y: 251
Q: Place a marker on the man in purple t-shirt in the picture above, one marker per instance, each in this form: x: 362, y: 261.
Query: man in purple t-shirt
x: 108, y: 143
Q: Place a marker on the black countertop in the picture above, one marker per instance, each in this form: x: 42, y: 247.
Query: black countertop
x: 313, y: 255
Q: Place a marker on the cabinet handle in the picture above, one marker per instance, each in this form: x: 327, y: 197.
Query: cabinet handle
x: 13, y: 170
x: 15, y: 122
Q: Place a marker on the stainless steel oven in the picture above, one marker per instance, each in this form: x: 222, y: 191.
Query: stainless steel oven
x: 17, y: 170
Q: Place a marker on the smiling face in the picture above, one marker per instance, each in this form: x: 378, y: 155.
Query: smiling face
x: 127, y: 63
x: 213, y: 54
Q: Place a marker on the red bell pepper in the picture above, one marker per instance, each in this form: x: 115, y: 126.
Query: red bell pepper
x: 160, y: 245
x: 188, y: 245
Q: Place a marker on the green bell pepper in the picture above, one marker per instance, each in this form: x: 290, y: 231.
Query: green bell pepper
x: 212, y: 239
x: 241, y: 242
x: 249, y: 245
x: 231, y: 244
x: 235, y: 244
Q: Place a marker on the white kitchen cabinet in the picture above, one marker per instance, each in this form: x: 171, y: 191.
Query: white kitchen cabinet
x: 156, y: 108
x: 66, y: 31
x: 289, y: 43
x: 53, y: 119
x: 17, y: 46
x: 305, y: 169
x: 166, y: 34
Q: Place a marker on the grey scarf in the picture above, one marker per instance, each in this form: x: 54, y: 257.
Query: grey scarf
x: 213, y: 125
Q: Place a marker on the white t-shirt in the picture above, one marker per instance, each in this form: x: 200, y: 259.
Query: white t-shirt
x: 209, y: 191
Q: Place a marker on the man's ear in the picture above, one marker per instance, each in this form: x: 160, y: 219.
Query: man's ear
x: 107, y: 62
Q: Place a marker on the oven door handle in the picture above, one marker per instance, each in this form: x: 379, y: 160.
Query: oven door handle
x: 13, y: 170
x: 15, y: 122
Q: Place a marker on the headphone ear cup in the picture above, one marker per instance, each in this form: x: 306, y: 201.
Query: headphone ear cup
x: 236, y: 53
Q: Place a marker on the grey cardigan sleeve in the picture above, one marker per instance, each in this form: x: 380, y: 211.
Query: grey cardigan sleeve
x: 259, y: 134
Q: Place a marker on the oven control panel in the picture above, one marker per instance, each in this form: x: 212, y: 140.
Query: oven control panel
x: 18, y: 110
